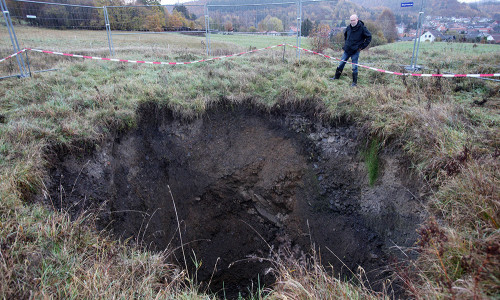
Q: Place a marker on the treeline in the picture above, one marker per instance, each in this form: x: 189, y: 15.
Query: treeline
x: 149, y: 15
x: 89, y: 14
x: 445, y: 8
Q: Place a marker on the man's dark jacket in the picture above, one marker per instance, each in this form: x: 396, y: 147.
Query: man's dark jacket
x: 356, y: 38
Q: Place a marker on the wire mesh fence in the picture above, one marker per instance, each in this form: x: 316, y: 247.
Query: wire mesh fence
x: 81, y: 26
x: 58, y: 26
x: 56, y: 15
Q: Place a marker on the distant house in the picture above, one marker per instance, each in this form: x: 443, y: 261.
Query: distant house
x: 485, y: 30
x: 401, y: 28
x: 496, y: 38
x: 431, y: 36
x: 441, y: 28
x: 412, y: 33
x: 472, y: 37
x: 459, y: 29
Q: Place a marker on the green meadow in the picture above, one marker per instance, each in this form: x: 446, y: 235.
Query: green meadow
x: 447, y: 128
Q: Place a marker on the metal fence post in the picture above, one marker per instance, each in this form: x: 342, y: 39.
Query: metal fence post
x: 108, y: 31
x: 299, y: 25
x: 207, y: 29
x: 13, y: 38
x: 417, y: 36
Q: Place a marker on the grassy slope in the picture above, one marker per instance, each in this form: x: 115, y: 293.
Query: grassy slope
x: 453, y: 143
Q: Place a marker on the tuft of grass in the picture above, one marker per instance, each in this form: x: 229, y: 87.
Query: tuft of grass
x: 45, y: 254
x: 306, y: 278
x: 370, y: 155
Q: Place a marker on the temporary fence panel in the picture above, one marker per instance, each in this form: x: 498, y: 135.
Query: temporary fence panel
x: 228, y: 23
x: 14, y: 45
x: 157, y: 27
x: 58, y: 26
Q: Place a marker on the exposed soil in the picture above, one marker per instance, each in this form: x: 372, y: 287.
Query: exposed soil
x: 245, y: 183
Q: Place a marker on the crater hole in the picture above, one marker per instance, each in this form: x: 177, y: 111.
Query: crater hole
x: 245, y: 184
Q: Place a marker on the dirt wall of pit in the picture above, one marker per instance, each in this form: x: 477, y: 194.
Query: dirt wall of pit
x: 246, y: 184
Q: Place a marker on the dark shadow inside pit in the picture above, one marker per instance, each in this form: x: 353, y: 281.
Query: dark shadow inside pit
x: 245, y: 183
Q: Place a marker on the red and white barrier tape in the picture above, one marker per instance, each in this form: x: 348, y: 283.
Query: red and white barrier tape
x: 397, y: 73
x: 242, y: 53
x: 17, y: 53
x: 152, y: 62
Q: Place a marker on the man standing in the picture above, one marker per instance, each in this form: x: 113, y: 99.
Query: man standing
x: 357, y: 37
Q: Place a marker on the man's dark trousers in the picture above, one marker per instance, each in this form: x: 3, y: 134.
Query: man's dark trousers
x: 354, y: 57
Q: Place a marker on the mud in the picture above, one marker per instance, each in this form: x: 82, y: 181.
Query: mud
x: 244, y: 183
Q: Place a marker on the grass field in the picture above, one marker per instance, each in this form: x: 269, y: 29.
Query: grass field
x: 258, y: 41
x: 448, y: 129
x: 443, y: 47
x: 88, y: 40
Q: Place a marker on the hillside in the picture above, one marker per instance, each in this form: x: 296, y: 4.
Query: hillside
x: 445, y: 8
x: 331, y: 11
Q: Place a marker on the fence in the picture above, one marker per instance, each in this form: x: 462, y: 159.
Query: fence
x: 95, y: 28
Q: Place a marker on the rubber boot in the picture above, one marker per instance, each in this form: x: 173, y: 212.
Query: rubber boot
x: 338, y: 72
x: 354, y: 79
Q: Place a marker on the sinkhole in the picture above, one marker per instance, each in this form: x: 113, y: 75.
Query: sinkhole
x: 246, y: 182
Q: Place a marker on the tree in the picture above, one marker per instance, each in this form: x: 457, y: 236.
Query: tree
x: 184, y: 11
x: 270, y: 24
x: 306, y: 27
x: 228, y: 26
x: 155, y: 22
x: 176, y: 20
x: 337, y: 40
x: 320, y: 37
x: 387, y: 22
x: 378, y: 37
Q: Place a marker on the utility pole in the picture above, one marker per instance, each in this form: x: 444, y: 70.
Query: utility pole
x: 299, y: 24
x: 414, y: 56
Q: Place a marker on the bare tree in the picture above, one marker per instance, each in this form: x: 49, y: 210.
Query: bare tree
x: 319, y: 37
x: 387, y: 22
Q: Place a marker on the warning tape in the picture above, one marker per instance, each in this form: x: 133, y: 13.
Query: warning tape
x: 151, y: 62
x: 12, y: 55
x: 242, y: 53
x: 397, y: 73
